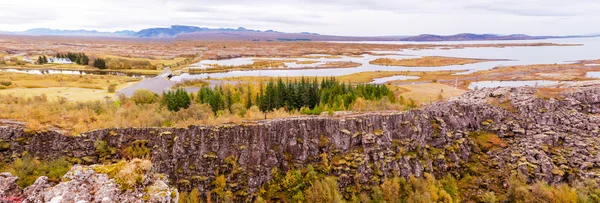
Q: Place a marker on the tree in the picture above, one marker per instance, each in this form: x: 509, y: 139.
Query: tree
x: 112, y: 88
x: 176, y: 100
x: 99, y: 63
x: 40, y: 60
x: 325, y: 190
x: 45, y: 59
x: 144, y: 97
x: 249, y: 98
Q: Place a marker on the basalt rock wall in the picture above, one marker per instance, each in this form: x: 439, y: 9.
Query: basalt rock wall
x: 361, y: 148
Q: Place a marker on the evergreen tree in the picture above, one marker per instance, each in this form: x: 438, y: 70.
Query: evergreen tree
x: 45, y: 59
x: 40, y: 60
x: 99, y: 63
x: 249, y: 98
x: 176, y: 100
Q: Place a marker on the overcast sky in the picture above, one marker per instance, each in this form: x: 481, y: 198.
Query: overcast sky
x: 337, y: 17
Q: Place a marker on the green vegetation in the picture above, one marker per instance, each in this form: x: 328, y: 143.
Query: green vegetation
x: 78, y: 58
x: 42, y: 60
x: 137, y: 149
x: 127, y: 174
x: 28, y: 169
x: 99, y: 63
x: 104, y: 151
x: 176, y: 100
x: 144, y: 97
x: 487, y: 141
x: 308, y: 96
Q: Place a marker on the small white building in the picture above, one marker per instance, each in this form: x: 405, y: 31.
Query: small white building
x: 60, y: 60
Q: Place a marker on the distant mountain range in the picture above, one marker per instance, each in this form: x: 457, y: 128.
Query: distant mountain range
x: 182, y: 32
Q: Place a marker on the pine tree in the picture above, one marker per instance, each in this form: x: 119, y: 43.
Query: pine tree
x: 176, y: 100
x: 99, y: 63
x: 249, y: 98
x: 45, y: 59
x: 40, y: 60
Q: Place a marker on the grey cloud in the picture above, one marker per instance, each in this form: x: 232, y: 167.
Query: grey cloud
x: 348, y: 17
x: 525, y: 11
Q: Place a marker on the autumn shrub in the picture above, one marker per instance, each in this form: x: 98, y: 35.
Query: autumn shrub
x: 103, y: 150
x: 487, y: 141
x: 5, y: 82
x: 128, y: 174
x: 137, y: 149
x: 28, y: 169
x: 325, y: 190
x: 144, y: 97
x: 112, y: 88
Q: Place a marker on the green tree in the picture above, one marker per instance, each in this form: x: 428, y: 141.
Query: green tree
x: 176, y: 100
x: 99, y: 63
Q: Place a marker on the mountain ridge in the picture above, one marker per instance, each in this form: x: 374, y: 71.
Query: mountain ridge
x: 185, y: 32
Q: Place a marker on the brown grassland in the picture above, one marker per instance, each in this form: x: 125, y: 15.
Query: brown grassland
x: 427, y: 61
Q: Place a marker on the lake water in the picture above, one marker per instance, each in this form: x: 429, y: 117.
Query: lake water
x: 593, y: 75
x: 509, y: 55
x: 392, y: 78
x: 493, y: 84
x: 513, y: 56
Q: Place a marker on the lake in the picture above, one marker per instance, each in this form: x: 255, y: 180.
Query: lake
x: 513, y: 56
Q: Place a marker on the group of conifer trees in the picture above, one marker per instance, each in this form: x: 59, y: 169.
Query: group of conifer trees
x: 79, y: 58
x: 42, y: 60
x: 305, y: 94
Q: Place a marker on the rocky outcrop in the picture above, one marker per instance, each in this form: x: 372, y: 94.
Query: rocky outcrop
x: 83, y: 184
x: 552, y: 139
x: 8, y: 187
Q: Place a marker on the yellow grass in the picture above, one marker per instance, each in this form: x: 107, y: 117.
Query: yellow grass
x: 307, y: 62
x: 54, y: 93
x: 423, y: 93
x: 341, y: 64
x: 362, y: 77
x: 426, y: 61
x: 100, y: 82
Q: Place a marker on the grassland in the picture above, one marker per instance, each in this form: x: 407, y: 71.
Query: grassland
x: 57, y: 87
x: 424, y: 93
x: 100, y: 82
x: 58, y: 93
x: 427, y: 61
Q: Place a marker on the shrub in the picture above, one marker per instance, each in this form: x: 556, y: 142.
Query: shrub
x: 28, y: 169
x: 144, y: 97
x: 104, y: 151
x: 487, y: 141
x: 138, y: 149
x: 112, y: 88
x: 126, y: 174
x: 5, y: 82
x: 325, y: 190
x: 99, y: 63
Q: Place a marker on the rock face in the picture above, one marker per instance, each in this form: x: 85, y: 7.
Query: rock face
x: 552, y: 139
x: 83, y: 184
x: 8, y: 186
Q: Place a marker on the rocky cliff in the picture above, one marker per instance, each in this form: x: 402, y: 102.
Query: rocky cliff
x: 545, y: 136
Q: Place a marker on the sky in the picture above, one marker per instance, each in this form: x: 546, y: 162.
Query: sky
x: 334, y: 17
